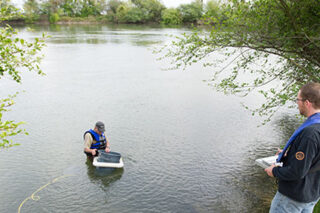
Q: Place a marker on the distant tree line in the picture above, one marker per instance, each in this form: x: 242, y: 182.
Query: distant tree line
x: 116, y: 11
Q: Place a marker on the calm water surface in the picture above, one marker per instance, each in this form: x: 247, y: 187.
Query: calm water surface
x: 185, y: 147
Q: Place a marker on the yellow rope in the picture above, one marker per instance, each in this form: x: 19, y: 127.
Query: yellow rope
x: 33, y: 195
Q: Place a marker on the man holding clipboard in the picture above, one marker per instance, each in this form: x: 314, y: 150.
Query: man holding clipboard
x: 299, y: 177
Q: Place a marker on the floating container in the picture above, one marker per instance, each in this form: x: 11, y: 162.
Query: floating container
x: 108, y: 160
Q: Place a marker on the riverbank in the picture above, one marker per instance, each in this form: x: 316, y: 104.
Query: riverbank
x: 44, y: 20
x: 66, y: 20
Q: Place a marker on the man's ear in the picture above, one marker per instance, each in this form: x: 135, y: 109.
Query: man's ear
x: 308, y: 103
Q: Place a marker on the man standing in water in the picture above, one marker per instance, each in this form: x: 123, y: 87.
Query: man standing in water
x: 95, y: 140
x: 299, y: 177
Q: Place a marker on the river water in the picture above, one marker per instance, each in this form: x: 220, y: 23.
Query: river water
x: 185, y: 147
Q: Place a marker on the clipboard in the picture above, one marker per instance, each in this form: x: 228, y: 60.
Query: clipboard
x: 267, y: 161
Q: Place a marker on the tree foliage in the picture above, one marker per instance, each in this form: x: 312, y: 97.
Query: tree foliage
x: 134, y: 15
x: 271, y: 46
x: 192, y: 12
x: 54, y: 9
x: 92, y: 7
x: 16, y: 54
x: 116, y: 11
x: 7, y: 11
x: 122, y: 11
x: 112, y: 6
x: 135, y: 11
x: 31, y: 10
x: 171, y: 16
x: 212, y: 9
x: 8, y: 128
x: 151, y: 8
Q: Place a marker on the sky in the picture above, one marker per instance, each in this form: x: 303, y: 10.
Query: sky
x: 167, y: 3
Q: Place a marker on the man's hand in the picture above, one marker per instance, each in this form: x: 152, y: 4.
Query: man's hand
x: 93, y: 152
x: 269, y: 170
x: 279, y: 151
x: 107, y: 149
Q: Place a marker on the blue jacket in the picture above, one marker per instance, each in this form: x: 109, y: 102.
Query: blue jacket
x: 299, y: 178
x: 99, y: 144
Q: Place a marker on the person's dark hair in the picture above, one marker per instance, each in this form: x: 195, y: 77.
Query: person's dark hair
x: 311, y: 92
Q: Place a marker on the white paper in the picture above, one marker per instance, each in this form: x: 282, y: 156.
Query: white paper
x: 267, y: 161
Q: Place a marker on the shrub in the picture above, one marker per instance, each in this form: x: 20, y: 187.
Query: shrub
x: 134, y: 15
x: 212, y: 8
x: 171, y: 16
x: 191, y: 12
x: 122, y: 11
x: 54, y: 17
x: 152, y: 9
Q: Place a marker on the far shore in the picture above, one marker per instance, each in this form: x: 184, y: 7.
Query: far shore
x: 79, y: 20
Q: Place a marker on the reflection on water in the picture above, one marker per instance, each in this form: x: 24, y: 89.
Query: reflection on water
x: 287, y: 124
x: 253, y: 180
x: 137, y: 35
x: 105, y: 175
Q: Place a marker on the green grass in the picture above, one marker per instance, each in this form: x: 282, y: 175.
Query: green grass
x: 317, y: 208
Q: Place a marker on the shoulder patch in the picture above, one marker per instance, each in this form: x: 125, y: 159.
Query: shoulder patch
x: 300, y: 155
